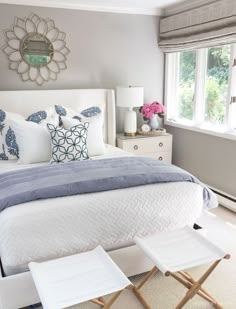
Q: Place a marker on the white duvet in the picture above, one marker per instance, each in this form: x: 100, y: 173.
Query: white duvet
x: 46, y: 229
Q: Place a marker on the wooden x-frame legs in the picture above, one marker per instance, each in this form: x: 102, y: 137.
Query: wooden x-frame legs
x: 101, y: 301
x: 138, y: 287
x: 194, y: 287
x: 106, y: 305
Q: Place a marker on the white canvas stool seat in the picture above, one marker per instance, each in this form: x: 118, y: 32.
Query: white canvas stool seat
x: 175, y: 251
x: 71, y: 280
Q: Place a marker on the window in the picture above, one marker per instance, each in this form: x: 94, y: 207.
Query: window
x: 187, y: 63
x: 199, y: 87
x: 216, y: 88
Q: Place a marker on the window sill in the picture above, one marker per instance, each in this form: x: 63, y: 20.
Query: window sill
x: 227, y: 134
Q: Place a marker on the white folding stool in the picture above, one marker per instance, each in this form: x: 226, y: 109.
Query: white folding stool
x: 174, y: 251
x: 74, y: 279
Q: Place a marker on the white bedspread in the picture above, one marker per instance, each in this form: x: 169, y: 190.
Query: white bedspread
x: 47, y: 229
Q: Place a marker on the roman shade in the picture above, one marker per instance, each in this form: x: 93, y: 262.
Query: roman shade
x: 211, y: 24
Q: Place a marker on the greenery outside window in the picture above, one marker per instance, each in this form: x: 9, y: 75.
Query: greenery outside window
x: 187, y: 65
x: 216, y: 88
x: 199, y: 88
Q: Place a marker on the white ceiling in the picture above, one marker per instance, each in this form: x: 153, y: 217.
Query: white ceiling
x: 120, y: 6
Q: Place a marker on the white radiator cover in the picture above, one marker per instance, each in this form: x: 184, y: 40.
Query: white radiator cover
x: 225, y: 199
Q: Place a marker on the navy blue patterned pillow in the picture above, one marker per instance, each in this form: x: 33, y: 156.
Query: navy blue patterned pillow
x: 8, y: 145
x: 67, y: 112
x: 64, y: 111
x: 2, y: 119
x: 2, y: 115
x: 3, y: 156
x: 37, y: 117
x: 11, y: 143
x: 91, y: 111
x: 77, y: 117
x: 60, y: 110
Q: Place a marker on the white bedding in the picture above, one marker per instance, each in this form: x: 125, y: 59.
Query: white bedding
x: 110, y: 152
x: 56, y: 227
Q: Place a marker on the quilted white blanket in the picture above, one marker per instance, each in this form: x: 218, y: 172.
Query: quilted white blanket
x: 68, y: 225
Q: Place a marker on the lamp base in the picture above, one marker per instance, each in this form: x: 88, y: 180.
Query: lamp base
x: 130, y: 134
x: 130, y: 128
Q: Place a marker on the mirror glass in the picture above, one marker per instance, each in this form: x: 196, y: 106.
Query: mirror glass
x: 36, y: 50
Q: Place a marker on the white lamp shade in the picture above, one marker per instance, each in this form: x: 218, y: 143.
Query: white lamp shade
x: 129, y: 96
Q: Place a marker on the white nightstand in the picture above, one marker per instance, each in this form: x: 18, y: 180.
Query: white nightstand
x: 158, y: 147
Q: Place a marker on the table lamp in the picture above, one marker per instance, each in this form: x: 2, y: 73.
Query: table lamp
x: 129, y: 97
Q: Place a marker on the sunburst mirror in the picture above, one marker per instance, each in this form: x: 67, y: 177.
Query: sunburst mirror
x: 36, y: 49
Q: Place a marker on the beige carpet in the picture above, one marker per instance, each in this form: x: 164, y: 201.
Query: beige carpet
x: 165, y: 292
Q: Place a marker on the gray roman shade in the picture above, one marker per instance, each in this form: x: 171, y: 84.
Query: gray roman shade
x: 210, y: 24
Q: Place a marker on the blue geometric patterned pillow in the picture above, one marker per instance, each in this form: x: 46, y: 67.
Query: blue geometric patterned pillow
x: 69, y: 145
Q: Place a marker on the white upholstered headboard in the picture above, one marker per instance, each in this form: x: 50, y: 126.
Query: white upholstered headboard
x: 29, y: 101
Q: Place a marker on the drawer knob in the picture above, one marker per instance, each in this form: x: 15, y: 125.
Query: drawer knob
x: 160, y: 144
x: 160, y: 158
x: 135, y: 147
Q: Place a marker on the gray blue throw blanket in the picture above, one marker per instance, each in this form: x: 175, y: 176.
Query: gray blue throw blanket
x: 90, y: 176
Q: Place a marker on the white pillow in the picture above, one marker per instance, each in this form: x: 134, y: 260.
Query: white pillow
x: 34, y: 141
x: 8, y: 144
x: 8, y: 147
x: 95, y: 142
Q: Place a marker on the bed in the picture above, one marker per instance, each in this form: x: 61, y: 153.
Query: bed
x: 110, y: 219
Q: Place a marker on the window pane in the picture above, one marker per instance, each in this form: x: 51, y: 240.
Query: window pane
x: 187, y: 62
x: 217, y: 84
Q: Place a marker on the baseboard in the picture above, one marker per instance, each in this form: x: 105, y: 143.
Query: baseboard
x: 225, y: 199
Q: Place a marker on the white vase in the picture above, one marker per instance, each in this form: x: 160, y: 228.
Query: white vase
x: 153, y: 122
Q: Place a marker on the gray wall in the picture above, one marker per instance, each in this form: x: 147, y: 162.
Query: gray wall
x: 212, y: 159
x: 106, y: 50
x: 118, y: 49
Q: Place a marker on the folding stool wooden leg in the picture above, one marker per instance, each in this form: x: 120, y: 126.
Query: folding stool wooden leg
x: 202, y: 292
x: 117, y: 294
x: 101, y: 301
x: 106, y: 305
x: 140, y: 298
x: 113, y: 299
x: 138, y: 287
x: 195, y: 286
x: 97, y: 301
x: 151, y: 272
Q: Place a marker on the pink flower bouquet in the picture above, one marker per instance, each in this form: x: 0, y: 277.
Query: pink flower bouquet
x: 148, y: 110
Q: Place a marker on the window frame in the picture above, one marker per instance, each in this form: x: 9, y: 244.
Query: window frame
x: 197, y: 124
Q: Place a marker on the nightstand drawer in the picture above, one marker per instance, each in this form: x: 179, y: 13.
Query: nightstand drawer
x: 147, y: 145
x: 163, y: 156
